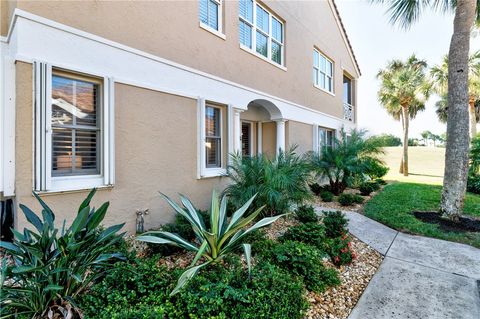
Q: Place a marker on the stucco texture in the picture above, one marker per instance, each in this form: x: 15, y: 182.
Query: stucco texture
x: 170, y: 29
x: 156, y: 150
x: 301, y: 135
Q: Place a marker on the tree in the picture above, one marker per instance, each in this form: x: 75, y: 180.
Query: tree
x: 406, y: 12
x: 439, y: 75
x: 426, y: 135
x: 386, y: 140
x: 404, y: 89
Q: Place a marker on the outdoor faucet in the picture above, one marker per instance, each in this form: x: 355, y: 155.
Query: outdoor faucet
x: 140, y: 222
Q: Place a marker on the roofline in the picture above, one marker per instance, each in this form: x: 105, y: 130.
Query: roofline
x: 345, y: 35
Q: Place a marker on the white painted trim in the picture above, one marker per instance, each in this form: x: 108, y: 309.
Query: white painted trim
x: 230, y: 128
x: 3, y: 48
x: 111, y: 132
x: 212, y: 31
x: 9, y: 127
x: 315, y: 138
x: 259, y: 138
x: 280, y: 143
x: 237, y: 136
x: 258, y: 55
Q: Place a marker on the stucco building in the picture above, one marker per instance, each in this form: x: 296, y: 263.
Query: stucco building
x: 139, y: 97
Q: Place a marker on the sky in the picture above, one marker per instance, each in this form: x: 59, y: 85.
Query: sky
x: 375, y: 42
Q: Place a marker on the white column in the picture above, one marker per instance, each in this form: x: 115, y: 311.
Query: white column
x: 280, y: 135
x: 237, y: 143
x: 259, y: 138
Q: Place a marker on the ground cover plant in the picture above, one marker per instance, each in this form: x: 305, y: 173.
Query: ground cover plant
x: 52, y: 266
x: 279, y: 183
x: 306, y: 214
x: 395, y: 204
x: 215, y: 241
x: 347, y: 199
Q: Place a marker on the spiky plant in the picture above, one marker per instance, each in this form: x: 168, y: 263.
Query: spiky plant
x: 222, y: 237
x: 279, y: 182
x: 52, y: 266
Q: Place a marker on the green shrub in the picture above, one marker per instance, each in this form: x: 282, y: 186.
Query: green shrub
x: 53, y: 266
x: 473, y: 184
x: 139, y: 289
x: 340, y: 250
x: 310, y: 233
x: 335, y: 224
x: 380, y: 181
x: 351, y: 157
x: 270, y: 293
x: 367, y: 188
x: 316, y: 188
x: 279, y: 183
x: 306, y: 214
x: 376, y: 170
x: 304, y: 261
x: 350, y: 199
x: 326, y: 196
x: 215, y: 240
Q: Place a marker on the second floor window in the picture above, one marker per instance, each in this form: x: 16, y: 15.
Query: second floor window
x: 322, y: 72
x: 210, y: 13
x: 347, y: 90
x: 261, y: 31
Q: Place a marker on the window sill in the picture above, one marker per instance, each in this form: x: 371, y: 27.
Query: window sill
x: 323, y: 90
x: 72, y: 191
x: 67, y: 184
x: 213, y: 31
x: 213, y: 172
x: 247, y: 49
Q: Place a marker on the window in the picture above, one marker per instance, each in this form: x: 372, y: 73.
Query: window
x: 213, y: 137
x: 322, y: 72
x: 75, y: 125
x: 246, y: 139
x: 73, y: 130
x: 325, y: 138
x: 347, y: 90
x: 210, y: 13
x: 261, y: 32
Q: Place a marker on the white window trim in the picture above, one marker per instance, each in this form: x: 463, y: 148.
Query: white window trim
x: 332, y: 93
x: 43, y: 180
x: 316, y: 138
x: 269, y: 36
x: 204, y: 171
x: 205, y: 26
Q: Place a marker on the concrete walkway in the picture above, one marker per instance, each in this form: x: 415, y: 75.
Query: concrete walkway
x: 420, y: 278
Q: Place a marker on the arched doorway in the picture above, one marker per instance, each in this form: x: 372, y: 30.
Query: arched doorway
x: 262, y: 129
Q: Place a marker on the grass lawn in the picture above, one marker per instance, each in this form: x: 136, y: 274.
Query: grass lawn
x: 426, y: 164
x: 394, y: 204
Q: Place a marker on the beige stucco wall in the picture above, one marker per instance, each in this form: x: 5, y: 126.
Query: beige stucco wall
x: 156, y: 150
x: 170, y: 29
x: 300, y: 134
x: 269, y: 138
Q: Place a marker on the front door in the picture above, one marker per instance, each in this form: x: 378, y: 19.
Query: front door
x: 246, y: 138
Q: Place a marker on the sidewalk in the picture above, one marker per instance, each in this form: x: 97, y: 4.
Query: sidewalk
x: 419, y: 278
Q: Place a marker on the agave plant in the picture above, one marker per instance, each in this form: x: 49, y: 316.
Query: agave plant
x: 224, y: 236
x: 51, y: 266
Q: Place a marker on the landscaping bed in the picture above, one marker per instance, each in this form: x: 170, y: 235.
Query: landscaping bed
x: 396, y: 204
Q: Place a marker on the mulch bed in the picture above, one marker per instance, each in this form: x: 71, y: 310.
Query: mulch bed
x: 465, y: 223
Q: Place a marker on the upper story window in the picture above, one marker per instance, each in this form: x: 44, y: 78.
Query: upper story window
x: 322, y: 72
x: 261, y: 31
x: 73, y: 130
x: 347, y: 90
x: 210, y: 13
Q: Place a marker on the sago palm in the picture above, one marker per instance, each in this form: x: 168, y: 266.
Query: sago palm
x: 467, y: 12
x: 404, y: 90
x: 439, y: 75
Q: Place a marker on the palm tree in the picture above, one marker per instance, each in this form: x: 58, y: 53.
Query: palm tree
x: 426, y: 135
x: 439, y: 75
x: 403, y: 92
x: 406, y: 12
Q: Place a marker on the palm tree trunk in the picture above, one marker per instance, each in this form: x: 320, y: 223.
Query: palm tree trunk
x: 403, y: 127
x: 405, y: 140
x: 473, y: 117
x: 458, y: 139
